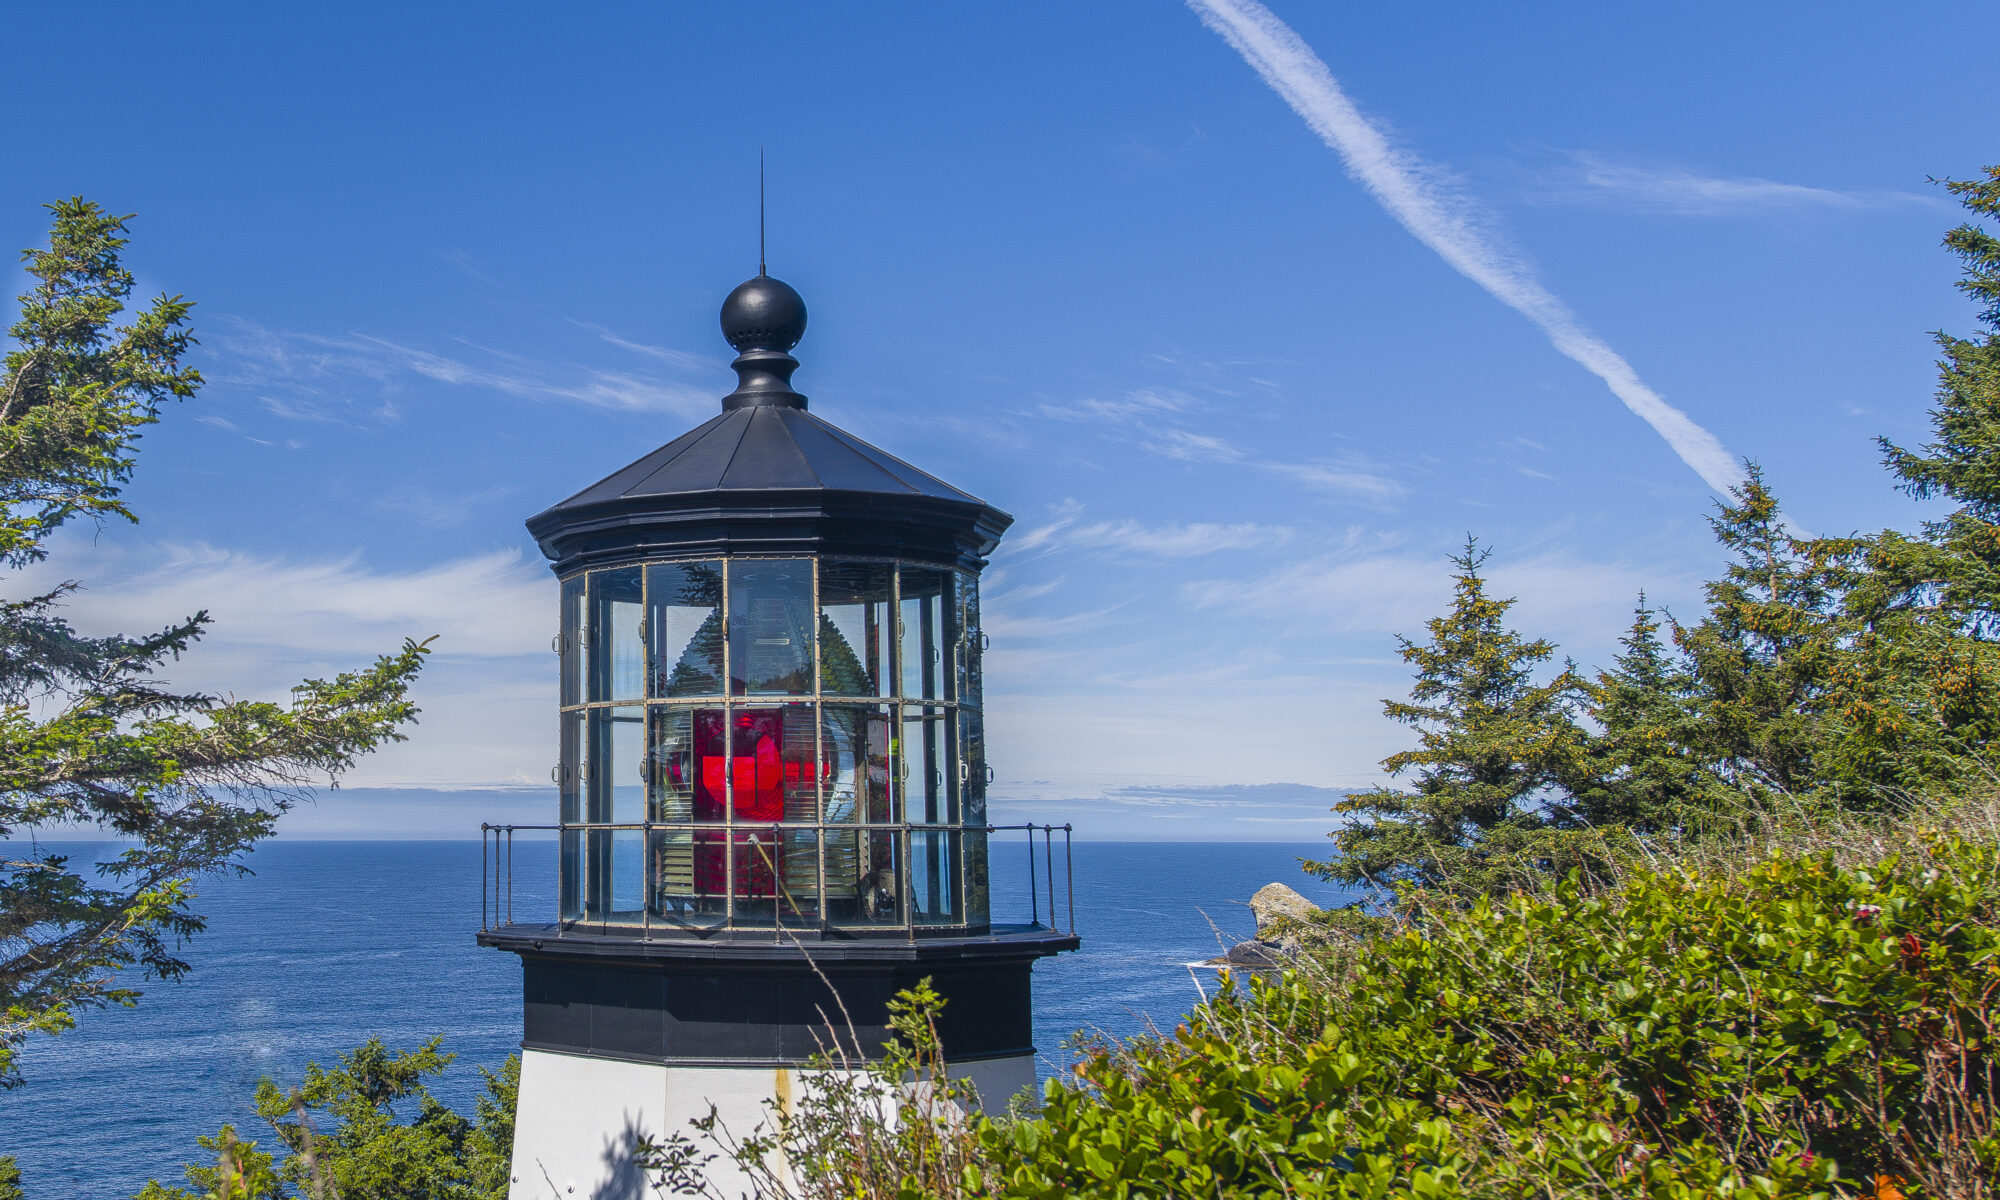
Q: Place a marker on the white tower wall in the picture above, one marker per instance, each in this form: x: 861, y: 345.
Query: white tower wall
x: 578, y: 1116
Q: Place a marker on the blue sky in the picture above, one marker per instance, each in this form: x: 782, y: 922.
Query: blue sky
x: 1085, y: 261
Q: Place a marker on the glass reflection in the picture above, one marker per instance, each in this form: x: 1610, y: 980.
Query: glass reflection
x: 684, y: 626
x: 617, y: 659
x: 569, y: 774
x: 971, y: 641
x: 570, y: 639
x: 670, y: 768
x: 922, y: 767
x: 972, y: 800
x: 925, y: 624
x: 615, y: 794
x: 800, y: 883
x: 858, y: 738
x: 872, y: 893
x: 570, y: 875
x: 934, y: 891
x: 770, y: 627
x: 854, y: 629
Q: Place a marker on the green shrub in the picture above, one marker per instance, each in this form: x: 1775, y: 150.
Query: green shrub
x: 1795, y: 1029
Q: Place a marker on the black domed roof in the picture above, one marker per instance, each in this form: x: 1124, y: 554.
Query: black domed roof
x: 767, y: 477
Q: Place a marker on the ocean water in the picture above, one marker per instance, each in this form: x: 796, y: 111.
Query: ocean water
x: 330, y: 943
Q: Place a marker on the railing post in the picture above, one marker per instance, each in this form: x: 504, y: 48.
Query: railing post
x: 1049, y: 865
x: 1069, y: 879
x: 510, y: 874
x: 1034, y: 911
x: 482, y: 877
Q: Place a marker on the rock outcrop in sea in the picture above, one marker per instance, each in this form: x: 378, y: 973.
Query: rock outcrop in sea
x: 1279, y: 911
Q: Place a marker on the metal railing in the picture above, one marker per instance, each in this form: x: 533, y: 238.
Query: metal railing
x: 496, y: 878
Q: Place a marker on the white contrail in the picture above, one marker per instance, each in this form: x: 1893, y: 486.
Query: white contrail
x: 1399, y: 182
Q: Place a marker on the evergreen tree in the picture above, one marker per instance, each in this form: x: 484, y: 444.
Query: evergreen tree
x: 342, y: 1136
x: 1637, y: 773
x: 1763, y: 658
x: 1956, y: 564
x: 1919, y: 690
x: 1491, y: 741
x: 88, y: 736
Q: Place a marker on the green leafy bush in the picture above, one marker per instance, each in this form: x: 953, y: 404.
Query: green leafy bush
x: 1812, y: 1022
x: 1795, y: 1029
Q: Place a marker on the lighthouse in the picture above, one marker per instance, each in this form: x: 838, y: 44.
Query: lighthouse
x: 771, y: 781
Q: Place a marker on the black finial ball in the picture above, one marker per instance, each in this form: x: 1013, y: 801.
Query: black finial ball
x: 763, y: 314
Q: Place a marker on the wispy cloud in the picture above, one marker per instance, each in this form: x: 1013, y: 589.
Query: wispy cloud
x: 1162, y: 422
x: 1138, y: 404
x: 1166, y: 540
x: 484, y: 605
x: 436, y: 507
x: 1582, y: 602
x: 1352, y: 475
x: 513, y: 375
x: 1348, y: 473
x: 1647, y: 187
x: 315, y: 377
x: 1412, y: 192
x: 1002, y: 621
x: 679, y: 359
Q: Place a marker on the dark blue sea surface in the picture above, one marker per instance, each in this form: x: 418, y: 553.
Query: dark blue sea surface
x: 330, y: 943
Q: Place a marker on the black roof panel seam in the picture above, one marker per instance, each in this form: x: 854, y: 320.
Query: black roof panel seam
x: 636, y: 491
x: 863, y: 448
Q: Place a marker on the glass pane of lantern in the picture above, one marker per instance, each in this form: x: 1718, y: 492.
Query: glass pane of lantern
x: 978, y: 898
x: 972, y: 799
x: 597, y: 874
x: 674, y: 898
x: 616, y: 780
x: 934, y: 881
x: 971, y: 641
x: 684, y: 625
x: 868, y: 890
x: 670, y: 771
x: 854, y: 628
x: 569, y: 874
x: 615, y: 794
x: 856, y: 763
x: 924, y: 767
x: 798, y: 882
x: 569, y: 769
x: 670, y: 764
x: 711, y: 805
x: 770, y: 627
x: 569, y: 640
x: 928, y: 613
x: 617, y: 660
x: 800, y: 764
x: 628, y: 875
x: 753, y: 769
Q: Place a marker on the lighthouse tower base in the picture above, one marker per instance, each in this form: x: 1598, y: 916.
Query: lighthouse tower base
x: 626, y: 1038
x: 579, y: 1116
